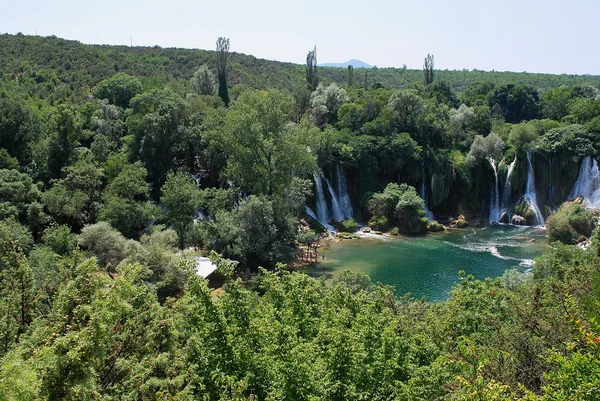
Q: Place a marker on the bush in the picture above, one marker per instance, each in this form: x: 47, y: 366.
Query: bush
x: 105, y: 243
x: 349, y: 226
x: 378, y: 223
x: 569, y: 225
x: 394, y: 231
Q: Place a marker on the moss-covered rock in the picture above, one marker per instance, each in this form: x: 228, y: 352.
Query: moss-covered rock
x: 459, y: 222
x: 345, y: 235
x: 434, y: 226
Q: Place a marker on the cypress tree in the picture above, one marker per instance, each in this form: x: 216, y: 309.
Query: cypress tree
x: 222, y: 54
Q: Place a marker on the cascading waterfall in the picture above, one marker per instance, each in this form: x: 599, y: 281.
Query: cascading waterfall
x: 322, y: 208
x: 507, y: 188
x: 495, y: 196
x: 310, y: 212
x: 340, y: 209
x: 342, y: 191
x: 530, y: 194
x: 588, y: 183
x: 423, y: 194
x: 338, y: 215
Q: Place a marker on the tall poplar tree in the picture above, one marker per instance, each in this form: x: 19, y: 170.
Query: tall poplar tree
x: 350, y: 75
x: 222, y: 54
x: 311, y: 69
x: 428, y: 68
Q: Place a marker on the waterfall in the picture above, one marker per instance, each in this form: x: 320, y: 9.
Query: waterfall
x: 423, y: 194
x: 311, y: 212
x: 322, y: 209
x: 342, y: 192
x: 507, y: 187
x: 495, y: 196
x: 530, y: 194
x: 338, y: 215
x: 588, y: 183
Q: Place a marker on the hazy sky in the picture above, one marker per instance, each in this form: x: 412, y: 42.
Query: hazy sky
x: 554, y: 36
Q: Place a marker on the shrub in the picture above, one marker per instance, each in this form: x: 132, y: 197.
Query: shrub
x: 570, y: 224
x: 349, y: 226
x: 105, y: 243
x: 379, y: 223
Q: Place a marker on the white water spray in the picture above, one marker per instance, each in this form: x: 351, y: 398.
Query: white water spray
x: 342, y: 192
x: 530, y: 194
x: 423, y: 194
x: 588, y: 183
x: 495, y: 196
x: 507, y: 187
x: 322, y: 208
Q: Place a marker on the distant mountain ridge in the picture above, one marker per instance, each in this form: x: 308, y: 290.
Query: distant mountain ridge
x: 354, y: 63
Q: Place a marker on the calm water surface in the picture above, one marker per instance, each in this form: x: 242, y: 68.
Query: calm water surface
x: 428, y: 266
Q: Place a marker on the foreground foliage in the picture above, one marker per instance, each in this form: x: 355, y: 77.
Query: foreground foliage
x: 99, y: 335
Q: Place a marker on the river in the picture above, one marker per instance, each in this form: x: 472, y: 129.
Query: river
x: 428, y: 266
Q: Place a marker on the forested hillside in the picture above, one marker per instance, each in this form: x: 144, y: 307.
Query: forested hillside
x: 120, y: 165
x: 56, y: 61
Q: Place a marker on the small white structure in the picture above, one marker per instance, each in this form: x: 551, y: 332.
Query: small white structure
x: 204, y: 267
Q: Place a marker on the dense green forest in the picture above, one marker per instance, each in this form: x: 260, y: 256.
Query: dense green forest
x: 113, y: 160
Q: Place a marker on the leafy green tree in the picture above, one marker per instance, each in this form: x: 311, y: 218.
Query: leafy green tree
x: 76, y: 199
x: 7, y: 162
x: 350, y: 115
x: 555, y: 103
x: 407, y: 110
x: 20, y: 127
x: 490, y: 147
x: 583, y: 110
x: 204, y: 81
x: 325, y: 103
x: 158, y: 119
x: 17, y: 193
x: 410, y: 210
x: 13, y: 235
x: 523, y: 136
x: 126, y: 205
x: 516, y: 103
x: 442, y: 92
x: 259, y: 232
x: 402, y: 205
x: 105, y: 243
x: 17, y: 295
x: 180, y: 196
x: 60, y: 239
x: 263, y: 150
x: 118, y: 89
x: 63, y: 139
x: 570, y: 140
x: 18, y: 381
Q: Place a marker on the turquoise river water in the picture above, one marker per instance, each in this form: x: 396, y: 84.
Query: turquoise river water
x: 428, y: 266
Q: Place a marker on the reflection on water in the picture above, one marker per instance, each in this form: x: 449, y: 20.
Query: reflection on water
x: 428, y: 266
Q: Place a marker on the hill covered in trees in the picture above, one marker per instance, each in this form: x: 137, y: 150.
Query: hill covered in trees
x: 78, y: 66
x: 113, y: 160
